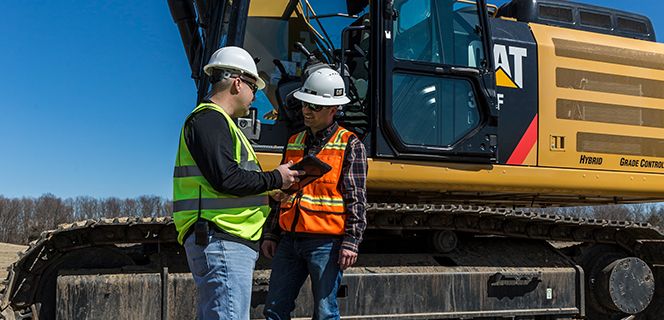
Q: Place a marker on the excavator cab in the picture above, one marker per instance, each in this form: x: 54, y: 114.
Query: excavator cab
x: 418, y: 73
x: 434, y: 67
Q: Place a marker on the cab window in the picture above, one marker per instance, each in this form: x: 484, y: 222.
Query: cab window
x: 432, y: 111
x: 441, y: 31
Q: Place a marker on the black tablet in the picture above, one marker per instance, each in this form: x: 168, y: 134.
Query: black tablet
x: 313, y: 167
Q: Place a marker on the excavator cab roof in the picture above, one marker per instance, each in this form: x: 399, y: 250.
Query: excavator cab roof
x: 580, y: 16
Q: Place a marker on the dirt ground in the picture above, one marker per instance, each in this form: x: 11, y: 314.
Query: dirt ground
x: 8, y: 254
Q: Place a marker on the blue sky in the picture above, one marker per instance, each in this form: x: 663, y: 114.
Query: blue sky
x: 93, y: 94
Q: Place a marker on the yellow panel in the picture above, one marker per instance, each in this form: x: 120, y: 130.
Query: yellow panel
x: 601, y: 97
x: 443, y: 177
x: 546, y: 34
x: 610, y: 54
x: 621, y: 145
x: 573, y: 126
x: 268, y: 8
x: 609, y: 113
x: 572, y: 158
x: 603, y: 67
x: 586, y: 80
x: 269, y: 161
x: 531, y: 159
x: 599, y: 69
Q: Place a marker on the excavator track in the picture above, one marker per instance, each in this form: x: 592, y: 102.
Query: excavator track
x: 20, y: 287
x: 640, y: 239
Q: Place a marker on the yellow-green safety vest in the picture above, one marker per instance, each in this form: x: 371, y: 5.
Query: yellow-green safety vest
x: 239, y: 216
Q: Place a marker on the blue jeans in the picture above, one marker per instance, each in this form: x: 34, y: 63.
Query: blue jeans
x: 295, y: 259
x: 223, y: 273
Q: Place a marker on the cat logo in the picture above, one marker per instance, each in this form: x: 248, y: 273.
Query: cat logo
x: 508, y: 74
x: 338, y: 92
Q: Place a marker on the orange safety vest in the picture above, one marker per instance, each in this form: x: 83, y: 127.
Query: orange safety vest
x: 318, y: 207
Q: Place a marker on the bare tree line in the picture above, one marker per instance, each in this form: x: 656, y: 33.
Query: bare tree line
x: 652, y: 213
x: 23, y: 219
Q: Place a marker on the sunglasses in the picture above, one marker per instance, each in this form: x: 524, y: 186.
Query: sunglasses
x: 252, y: 86
x: 313, y: 107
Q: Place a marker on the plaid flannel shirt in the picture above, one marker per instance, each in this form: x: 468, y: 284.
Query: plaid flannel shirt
x: 352, y: 185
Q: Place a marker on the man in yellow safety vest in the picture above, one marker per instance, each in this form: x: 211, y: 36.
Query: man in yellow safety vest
x: 220, y: 193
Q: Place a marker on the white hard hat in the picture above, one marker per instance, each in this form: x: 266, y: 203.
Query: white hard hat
x: 324, y: 87
x: 234, y: 59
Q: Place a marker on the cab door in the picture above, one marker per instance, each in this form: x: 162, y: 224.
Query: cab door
x: 437, y: 90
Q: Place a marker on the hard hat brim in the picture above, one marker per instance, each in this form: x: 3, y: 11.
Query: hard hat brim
x: 207, y: 69
x: 321, y: 101
x: 260, y: 83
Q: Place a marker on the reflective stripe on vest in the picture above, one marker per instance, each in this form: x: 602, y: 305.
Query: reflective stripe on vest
x: 186, y: 171
x: 298, y: 142
x: 322, y: 201
x: 221, y: 203
x: 319, y: 207
x: 239, y: 216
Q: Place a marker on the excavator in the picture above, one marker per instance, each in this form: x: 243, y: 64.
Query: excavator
x: 473, y: 116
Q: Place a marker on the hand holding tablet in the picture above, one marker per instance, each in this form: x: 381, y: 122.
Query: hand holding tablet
x: 313, y: 167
